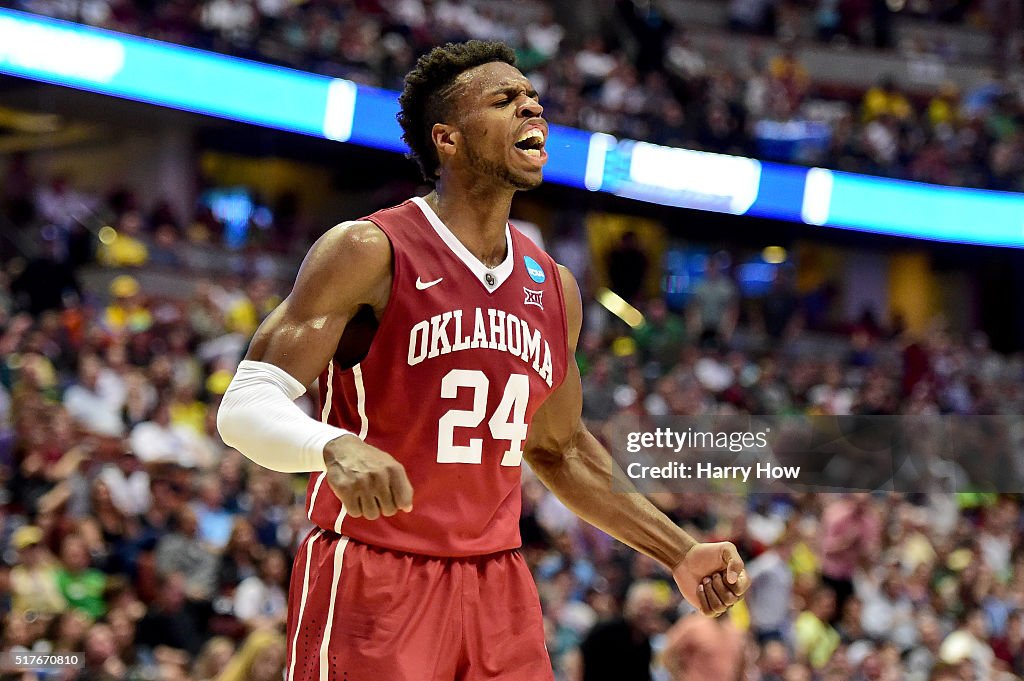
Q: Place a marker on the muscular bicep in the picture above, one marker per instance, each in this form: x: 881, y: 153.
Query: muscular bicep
x: 558, y: 423
x: 347, y: 268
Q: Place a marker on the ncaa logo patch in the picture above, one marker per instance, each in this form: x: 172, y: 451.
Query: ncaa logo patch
x: 534, y: 269
x: 534, y: 297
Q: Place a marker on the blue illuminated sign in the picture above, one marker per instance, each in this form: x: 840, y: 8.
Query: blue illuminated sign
x: 913, y: 209
x: 193, y: 80
x: 179, y: 77
x: 677, y: 177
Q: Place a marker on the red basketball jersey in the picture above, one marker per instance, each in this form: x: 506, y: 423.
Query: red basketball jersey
x: 463, y: 357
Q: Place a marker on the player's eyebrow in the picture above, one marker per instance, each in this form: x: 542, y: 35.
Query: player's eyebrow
x: 512, y: 90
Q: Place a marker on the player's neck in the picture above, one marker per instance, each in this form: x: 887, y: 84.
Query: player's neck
x: 476, y: 218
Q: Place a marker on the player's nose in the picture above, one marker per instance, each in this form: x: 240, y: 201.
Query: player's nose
x: 530, y: 108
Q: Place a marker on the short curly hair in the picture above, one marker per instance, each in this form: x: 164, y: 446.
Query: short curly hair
x: 427, y: 96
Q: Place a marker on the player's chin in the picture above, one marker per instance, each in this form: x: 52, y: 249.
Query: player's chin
x: 524, y: 184
x: 524, y: 180
x: 528, y: 175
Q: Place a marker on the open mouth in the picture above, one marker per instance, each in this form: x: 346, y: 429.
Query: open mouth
x: 532, y: 143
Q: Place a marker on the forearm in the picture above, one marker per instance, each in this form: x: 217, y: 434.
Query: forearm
x: 581, y: 477
x: 258, y: 418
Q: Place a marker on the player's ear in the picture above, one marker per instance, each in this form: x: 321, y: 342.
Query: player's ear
x: 446, y: 138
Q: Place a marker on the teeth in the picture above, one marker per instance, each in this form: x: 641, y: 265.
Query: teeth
x: 532, y: 152
x: 534, y: 132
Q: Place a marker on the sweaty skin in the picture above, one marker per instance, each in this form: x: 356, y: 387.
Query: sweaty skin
x: 349, y: 269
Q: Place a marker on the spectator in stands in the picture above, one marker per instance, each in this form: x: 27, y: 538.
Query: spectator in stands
x: 600, y: 390
x: 261, y: 658
x: 123, y: 247
x: 127, y: 312
x: 661, y: 335
x: 969, y: 642
x: 714, y: 309
x: 888, y: 612
x: 621, y: 648
x: 944, y: 108
x: 172, y: 620
x: 214, y: 521
x: 1009, y: 648
x: 182, y: 553
x: 261, y: 600
x: 922, y: 659
x: 851, y: 538
x: 127, y: 483
x: 769, y: 607
x: 48, y: 280
x: 140, y: 663
x: 241, y: 557
x: 60, y: 204
x: 885, y: 99
x: 816, y: 640
x: 160, y: 441
x: 545, y: 35
x: 700, y: 648
x: 791, y: 76
x: 780, y: 307
x: 34, y: 585
x: 773, y: 662
x: 81, y: 586
x: 69, y: 631
x: 101, y: 660
x: 213, y: 659
x: 96, y: 399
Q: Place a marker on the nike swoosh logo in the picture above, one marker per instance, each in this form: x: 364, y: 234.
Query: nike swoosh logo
x: 424, y: 285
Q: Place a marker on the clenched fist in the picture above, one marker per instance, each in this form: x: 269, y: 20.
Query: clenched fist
x: 711, y: 577
x: 369, y: 482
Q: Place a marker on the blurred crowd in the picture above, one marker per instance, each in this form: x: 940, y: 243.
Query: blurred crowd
x: 117, y: 229
x: 640, y: 75
x: 129, y: 532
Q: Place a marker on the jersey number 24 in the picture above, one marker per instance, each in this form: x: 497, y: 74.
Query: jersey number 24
x: 508, y: 422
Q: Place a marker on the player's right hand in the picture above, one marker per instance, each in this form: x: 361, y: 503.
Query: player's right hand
x: 712, y: 577
x: 369, y: 481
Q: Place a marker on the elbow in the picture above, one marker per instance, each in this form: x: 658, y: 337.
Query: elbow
x: 237, y: 425
x: 551, y: 452
x: 541, y: 457
x: 226, y: 423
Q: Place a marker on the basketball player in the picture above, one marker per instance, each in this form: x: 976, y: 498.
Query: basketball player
x: 448, y: 340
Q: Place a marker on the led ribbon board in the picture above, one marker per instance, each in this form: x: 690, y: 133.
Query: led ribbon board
x: 913, y: 209
x: 168, y: 75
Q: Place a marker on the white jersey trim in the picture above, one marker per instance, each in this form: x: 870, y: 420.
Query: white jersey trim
x: 364, y: 422
x: 324, y: 415
x: 302, y: 604
x: 364, y: 428
x: 481, y: 271
x: 325, y: 645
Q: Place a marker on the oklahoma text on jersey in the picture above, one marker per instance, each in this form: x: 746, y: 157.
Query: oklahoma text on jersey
x: 492, y: 330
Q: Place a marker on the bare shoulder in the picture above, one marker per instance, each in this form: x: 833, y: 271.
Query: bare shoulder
x: 573, y: 304
x: 570, y: 287
x: 357, y: 244
x: 349, y: 266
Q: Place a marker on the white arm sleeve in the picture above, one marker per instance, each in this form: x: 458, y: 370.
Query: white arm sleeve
x: 259, y: 418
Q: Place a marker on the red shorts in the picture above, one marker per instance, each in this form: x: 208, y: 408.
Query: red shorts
x: 361, y: 613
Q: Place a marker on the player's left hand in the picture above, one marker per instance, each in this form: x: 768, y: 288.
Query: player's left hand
x: 711, y: 577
